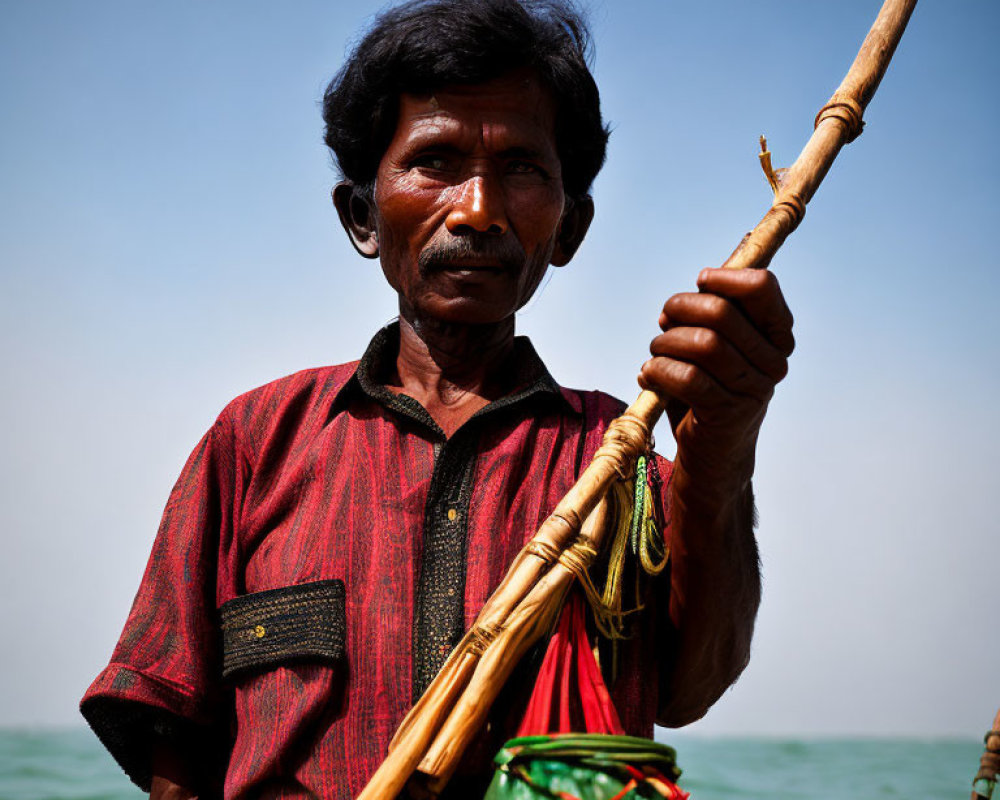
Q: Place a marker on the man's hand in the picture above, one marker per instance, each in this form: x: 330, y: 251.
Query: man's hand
x: 716, y: 364
x: 721, y: 353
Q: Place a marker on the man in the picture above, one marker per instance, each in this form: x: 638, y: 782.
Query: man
x: 335, y: 531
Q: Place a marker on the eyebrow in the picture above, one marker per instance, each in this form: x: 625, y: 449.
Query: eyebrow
x: 523, y: 152
x: 448, y: 139
x: 439, y: 136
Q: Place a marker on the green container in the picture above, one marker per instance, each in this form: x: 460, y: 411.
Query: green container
x: 584, y: 766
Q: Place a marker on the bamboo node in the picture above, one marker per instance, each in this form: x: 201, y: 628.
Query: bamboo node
x: 624, y: 441
x: 480, y: 638
x: 641, y: 430
x: 847, y: 111
x: 568, y: 517
x: 578, y: 557
x: 793, y: 205
x: 543, y: 550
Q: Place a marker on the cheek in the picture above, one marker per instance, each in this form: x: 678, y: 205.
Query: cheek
x: 405, y: 213
x: 539, y: 211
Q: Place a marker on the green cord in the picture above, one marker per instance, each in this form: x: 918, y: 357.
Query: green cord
x: 639, y: 509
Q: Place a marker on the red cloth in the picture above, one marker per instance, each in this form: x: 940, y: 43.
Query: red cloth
x: 570, y: 695
x: 316, y: 477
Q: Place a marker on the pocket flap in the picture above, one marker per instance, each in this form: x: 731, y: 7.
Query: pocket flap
x: 265, y: 629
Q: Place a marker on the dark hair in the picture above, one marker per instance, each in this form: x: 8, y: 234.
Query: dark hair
x: 425, y: 45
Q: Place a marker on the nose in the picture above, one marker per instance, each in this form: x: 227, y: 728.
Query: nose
x: 479, y: 208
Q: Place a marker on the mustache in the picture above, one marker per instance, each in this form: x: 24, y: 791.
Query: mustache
x: 505, y: 250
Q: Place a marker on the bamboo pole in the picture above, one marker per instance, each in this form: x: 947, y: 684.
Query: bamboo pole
x: 431, y: 739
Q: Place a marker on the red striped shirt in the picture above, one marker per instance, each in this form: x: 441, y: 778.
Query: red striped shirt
x: 325, y: 475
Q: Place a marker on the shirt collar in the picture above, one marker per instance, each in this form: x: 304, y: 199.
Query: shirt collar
x: 532, y: 379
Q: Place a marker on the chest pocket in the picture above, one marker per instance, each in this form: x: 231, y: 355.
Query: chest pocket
x: 304, y: 623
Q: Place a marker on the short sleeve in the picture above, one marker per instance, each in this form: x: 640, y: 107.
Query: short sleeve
x: 163, y: 681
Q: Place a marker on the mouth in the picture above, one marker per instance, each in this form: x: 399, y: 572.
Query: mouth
x: 466, y: 267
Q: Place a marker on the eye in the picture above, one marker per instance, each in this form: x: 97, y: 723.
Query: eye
x: 432, y: 162
x: 518, y: 167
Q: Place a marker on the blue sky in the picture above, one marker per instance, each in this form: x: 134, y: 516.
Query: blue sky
x: 167, y: 242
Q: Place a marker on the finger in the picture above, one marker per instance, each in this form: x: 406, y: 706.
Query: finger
x: 759, y: 296
x: 676, y: 410
x: 685, y: 382
x: 718, y: 314
x: 709, y: 350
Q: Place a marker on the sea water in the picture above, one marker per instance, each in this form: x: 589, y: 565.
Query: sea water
x: 827, y: 769
x: 72, y: 765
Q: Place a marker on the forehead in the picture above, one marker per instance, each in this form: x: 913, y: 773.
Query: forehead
x: 517, y: 104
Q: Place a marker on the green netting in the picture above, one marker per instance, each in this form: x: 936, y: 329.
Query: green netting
x: 584, y: 767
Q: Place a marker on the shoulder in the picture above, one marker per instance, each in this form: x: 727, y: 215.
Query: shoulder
x: 291, y: 402
x: 303, y: 386
x: 596, y: 407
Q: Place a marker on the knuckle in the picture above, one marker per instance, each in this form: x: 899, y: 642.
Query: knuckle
x: 659, y: 369
x: 780, y: 370
x: 673, y: 304
x: 661, y: 344
x: 706, y: 341
x: 687, y: 374
x: 716, y: 305
x: 783, y: 340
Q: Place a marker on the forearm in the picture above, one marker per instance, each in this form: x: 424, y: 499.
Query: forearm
x: 715, y: 591
x: 722, y: 351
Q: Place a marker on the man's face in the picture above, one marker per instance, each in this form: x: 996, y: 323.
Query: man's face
x: 469, y: 199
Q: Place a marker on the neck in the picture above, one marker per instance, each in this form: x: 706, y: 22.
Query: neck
x: 452, y: 369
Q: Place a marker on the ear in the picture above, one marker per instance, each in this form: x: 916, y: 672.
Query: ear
x: 574, y: 226
x: 358, y: 218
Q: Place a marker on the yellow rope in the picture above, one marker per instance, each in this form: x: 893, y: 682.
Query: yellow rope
x: 607, y: 604
x: 651, y: 545
x: 633, y: 527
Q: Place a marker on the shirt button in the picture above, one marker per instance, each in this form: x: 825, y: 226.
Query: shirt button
x: 452, y: 514
x: 259, y: 631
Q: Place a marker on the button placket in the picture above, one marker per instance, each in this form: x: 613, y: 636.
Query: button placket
x: 439, y: 618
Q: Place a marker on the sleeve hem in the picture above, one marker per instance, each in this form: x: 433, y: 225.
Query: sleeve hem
x: 131, y: 713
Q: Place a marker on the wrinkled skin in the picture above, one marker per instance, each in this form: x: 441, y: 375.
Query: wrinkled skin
x: 470, y: 201
x: 468, y: 213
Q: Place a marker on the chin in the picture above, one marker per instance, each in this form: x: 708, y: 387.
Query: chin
x: 466, y: 311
